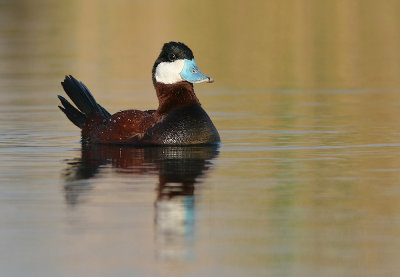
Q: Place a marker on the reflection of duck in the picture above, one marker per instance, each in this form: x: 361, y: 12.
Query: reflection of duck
x: 179, y: 119
x: 178, y: 169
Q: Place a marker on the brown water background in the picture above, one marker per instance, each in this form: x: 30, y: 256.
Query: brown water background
x: 306, y: 182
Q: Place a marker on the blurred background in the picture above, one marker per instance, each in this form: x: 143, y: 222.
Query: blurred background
x: 306, y: 100
x: 246, y: 45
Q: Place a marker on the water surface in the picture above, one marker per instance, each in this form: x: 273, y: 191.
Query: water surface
x: 305, y: 183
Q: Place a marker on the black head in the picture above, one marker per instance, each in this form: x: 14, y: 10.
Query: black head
x: 176, y: 64
x: 171, y: 52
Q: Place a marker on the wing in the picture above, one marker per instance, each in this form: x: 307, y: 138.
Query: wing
x: 122, y: 127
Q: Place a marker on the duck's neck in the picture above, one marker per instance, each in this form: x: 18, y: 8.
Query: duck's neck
x: 174, y: 96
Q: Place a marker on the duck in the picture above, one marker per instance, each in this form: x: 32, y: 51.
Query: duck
x: 178, y: 120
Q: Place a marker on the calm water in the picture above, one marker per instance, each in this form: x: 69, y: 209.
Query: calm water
x: 305, y: 183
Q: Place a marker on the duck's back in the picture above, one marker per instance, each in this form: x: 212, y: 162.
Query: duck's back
x: 183, y: 126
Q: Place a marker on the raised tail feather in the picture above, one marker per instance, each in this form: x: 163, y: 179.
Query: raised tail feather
x: 82, y: 98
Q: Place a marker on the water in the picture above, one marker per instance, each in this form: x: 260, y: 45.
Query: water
x: 305, y: 183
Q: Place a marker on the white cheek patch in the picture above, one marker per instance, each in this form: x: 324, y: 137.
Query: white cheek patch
x: 169, y: 72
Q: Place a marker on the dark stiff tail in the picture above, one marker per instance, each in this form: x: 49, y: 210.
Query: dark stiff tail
x: 82, y: 98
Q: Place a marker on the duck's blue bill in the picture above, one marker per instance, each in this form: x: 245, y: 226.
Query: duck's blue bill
x: 192, y: 74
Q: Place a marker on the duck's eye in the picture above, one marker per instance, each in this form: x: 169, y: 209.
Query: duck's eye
x: 171, y: 57
x: 194, y: 71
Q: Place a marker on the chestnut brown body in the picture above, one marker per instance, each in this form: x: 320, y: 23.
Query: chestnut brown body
x: 179, y: 120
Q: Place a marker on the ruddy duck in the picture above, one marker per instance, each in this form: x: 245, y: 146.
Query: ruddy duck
x: 179, y: 119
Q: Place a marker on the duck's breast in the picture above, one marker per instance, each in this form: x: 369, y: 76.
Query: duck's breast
x: 184, y: 126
